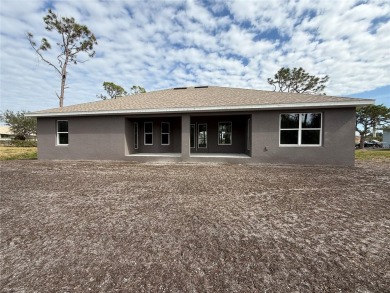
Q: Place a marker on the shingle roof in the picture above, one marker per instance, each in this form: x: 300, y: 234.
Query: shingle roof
x: 197, y: 99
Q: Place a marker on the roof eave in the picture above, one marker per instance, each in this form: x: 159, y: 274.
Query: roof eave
x: 208, y: 109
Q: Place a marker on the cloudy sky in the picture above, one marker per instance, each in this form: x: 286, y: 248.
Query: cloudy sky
x: 165, y: 44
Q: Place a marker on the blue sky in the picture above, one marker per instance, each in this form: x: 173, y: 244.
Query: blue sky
x: 165, y: 44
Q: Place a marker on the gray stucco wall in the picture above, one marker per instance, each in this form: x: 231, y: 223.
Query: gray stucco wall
x: 337, y: 139
x: 111, y: 138
x: 90, y: 138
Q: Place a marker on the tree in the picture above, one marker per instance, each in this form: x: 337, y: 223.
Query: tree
x: 380, y: 115
x: 371, y: 116
x: 136, y: 89
x: 298, y: 81
x: 74, y: 39
x: 21, y: 125
x: 113, y: 91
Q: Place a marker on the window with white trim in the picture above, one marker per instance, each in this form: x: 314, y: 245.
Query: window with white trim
x: 225, y: 133
x: 148, y: 133
x: 62, y: 132
x: 202, y: 135
x: 300, y: 129
x: 135, y: 135
x: 165, y: 133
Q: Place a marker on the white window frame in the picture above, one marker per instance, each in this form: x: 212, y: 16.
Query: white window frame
x: 166, y: 133
x: 62, y: 132
x: 136, y: 135
x: 300, y: 129
x: 231, y: 132
x: 202, y: 147
x: 145, y: 133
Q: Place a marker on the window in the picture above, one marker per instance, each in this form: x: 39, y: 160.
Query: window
x: 248, y: 135
x: 135, y: 135
x: 303, y: 129
x: 165, y: 133
x: 192, y: 136
x: 224, y: 133
x: 62, y: 132
x: 202, y: 135
x: 148, y: 133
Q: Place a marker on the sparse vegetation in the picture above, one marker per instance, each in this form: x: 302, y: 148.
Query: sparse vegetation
x: 17, y: 153
x: 21, y: 143
x: 372, y: 155
x: 20, y: 125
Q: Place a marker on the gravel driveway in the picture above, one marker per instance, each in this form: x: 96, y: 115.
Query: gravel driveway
x: 75, y: 226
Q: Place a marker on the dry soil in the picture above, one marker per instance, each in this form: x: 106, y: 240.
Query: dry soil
x: 74, y: 226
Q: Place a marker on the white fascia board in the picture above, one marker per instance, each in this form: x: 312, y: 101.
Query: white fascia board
x: 208, y: 109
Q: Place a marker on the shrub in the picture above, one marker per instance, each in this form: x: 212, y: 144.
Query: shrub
x: 23, y: 143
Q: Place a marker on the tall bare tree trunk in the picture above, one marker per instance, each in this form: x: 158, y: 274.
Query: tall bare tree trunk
x: 61, y: 97
x: 63, y: 80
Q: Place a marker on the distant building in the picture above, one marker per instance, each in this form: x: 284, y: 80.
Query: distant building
x: 386, y: 138
x: 6, y: 133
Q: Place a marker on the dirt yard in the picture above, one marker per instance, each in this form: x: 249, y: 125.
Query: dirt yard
x: 122, y: 227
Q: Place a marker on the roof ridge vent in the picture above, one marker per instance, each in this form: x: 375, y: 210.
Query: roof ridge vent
x: 179, y: 88
x: 202, y: 87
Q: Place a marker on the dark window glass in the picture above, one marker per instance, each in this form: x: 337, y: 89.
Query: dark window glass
x: 148, y: 132
x: 62, y: 126
x: 289, y: 121
x: 164, y: 138
x: 148, y: 127
x: 202, y: 135
x: 164, y: 127
x: 289, y: 137
x: 63, y: 138
x: 165, y: 133
x: 224, y: 133
x: 311, y: 120
x: 226, y: 138
x: 62, y: 132
x: 192, y: 136
x: 148, y: 138
x: 248, y: 135
x: 136, y: 135
x: 310, y: 137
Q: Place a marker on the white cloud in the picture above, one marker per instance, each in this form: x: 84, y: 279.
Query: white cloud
x: 161, y: 44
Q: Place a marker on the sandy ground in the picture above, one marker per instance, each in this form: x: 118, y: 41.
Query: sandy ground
x: 70, y: 226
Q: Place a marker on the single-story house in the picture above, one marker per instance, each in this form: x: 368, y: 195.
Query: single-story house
x: 6, y: 133
x: 204, y: 124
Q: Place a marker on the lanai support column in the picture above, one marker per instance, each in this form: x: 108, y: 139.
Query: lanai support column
x: 257, y: 136
x: 185, y: 137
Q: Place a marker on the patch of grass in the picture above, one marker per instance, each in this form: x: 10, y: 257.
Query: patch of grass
x: 18, y: 153
x: 373, y: 154
x: 23, y: 143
